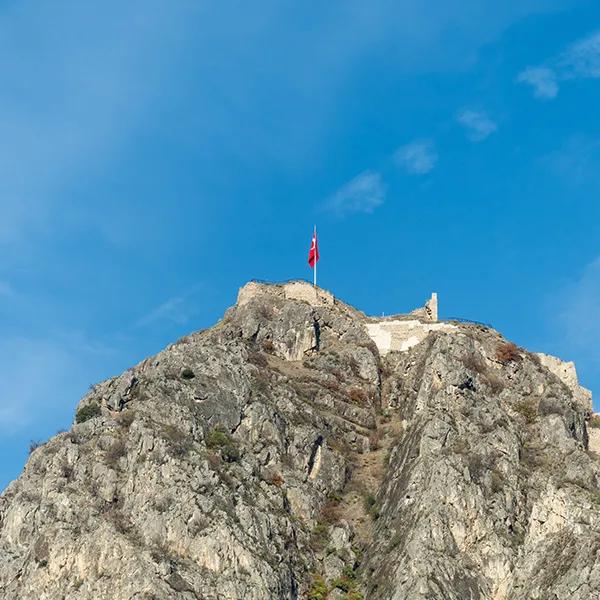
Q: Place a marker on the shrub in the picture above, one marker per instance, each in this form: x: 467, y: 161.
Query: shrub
x: 375, y: 440
x: 266, y: 311
x: 496, y: 481
x: 342, y: 583
x: 347, y: 583
x: 475, y: 362
x: 370, y: 503
x: 318, y: 589
x: 268, y: 346
x: 187, y: 373
x: 258, y: 359
x: 66, y: 471
x: 550, y: 405
x: 219, y: 439
x: 87, y: 412
x: 125, y: 419
x: 273, y: 477
x: 338, y: 374
x: 386, y: 416
x: 528, y: 408
x: 332, y: 385
x: 115, y: 451
x: 508, y: 352
x: 476, y: 468
x: 330, y: 513
x: 214, y: 460
x: 319, y: 537
x: 496, y: 384
x: 179, y: 443
x: 354, y: 366
x: 34, y: 445
x: 120, y: 521
x: 261, y: 382
x: 533, y: 456
x: 358, y: 395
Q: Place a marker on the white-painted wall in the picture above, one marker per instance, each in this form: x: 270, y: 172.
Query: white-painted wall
x: 400, y: 335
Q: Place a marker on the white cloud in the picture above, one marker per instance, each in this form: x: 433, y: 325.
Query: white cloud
x: 418, y: 157
x: 174, y: 310
x: 577, y: 161
x: 364, y: 193
x: 579, y: 303
x: 478, y: 124
x: 542, y: 80
x: 177, y: 310
x: 582, y: 59
x: 574, y: 328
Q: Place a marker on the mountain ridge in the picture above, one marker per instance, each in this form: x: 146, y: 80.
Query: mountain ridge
x: 283, y: 454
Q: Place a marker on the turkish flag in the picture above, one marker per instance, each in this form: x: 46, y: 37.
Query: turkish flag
x: 313, y: 253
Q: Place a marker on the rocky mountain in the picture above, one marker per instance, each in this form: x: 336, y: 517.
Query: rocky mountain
x: 288, y: 452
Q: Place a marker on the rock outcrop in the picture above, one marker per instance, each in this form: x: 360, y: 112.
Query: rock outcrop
x: 279, y: 454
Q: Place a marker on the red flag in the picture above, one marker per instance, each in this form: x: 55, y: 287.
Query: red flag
x: 313, y: 253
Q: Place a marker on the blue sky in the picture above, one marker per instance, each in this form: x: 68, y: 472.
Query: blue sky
x: 156, y: 155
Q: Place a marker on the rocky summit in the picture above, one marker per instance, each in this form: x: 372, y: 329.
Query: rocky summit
x: 299, y: 449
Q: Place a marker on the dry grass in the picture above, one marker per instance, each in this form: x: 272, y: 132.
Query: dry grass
x: 528, y: 408
x: 475, y: 362
x: 508, y: 352
x: 268, y: 346
x: 126, y: 418
x: 332, y: 385
x: 358, y: 396
x: 179, y: 443
x: 375, y: 440
x: 258, y: 359
x: 274, y: 478
x: 330, y: 513
x: 115, y: 452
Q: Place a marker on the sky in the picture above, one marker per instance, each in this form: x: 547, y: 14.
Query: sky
x: 157, y: 155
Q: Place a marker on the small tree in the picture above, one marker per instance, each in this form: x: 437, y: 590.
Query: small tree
x: 87, y: 412
x: 219, y: 439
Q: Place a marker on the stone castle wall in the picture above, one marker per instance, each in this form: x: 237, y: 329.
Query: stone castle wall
x: 567, y: 373
x: 396, y: 333
x: 401, y: 335
x: 291, y: 290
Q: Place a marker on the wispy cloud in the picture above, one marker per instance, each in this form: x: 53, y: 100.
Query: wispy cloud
x: 577, y: 161
x: 579, y: 303
x: 542, y: 80
x: 177, y: 310
x: 364, y: 194
x: 575, y: 330
x: 418, y: 157
x: 580, y: 60
x: 478, y: 124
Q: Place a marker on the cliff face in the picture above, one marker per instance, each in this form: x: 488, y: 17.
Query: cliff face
x: 278, y: 455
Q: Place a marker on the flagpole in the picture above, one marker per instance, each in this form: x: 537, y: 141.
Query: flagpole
x: 315, y: 269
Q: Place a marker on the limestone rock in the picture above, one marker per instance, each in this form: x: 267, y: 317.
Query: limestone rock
x: 281, y: 453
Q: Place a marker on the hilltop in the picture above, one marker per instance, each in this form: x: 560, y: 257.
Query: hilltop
x: 301, y: 449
